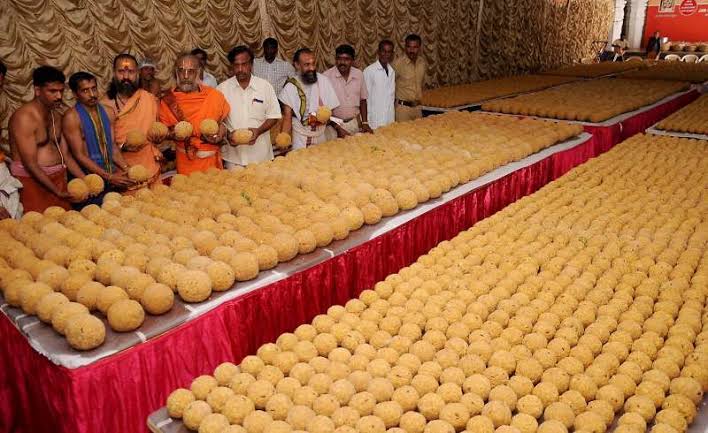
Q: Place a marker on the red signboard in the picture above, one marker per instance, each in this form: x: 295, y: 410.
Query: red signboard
x: 688, y: 7
x: 679, y: 20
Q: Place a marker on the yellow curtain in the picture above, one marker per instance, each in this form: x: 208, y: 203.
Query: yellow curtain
x: 515, y: 36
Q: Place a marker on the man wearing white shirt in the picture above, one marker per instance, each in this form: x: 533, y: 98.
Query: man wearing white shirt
x: 206, y: 77
x: 254, y: 106
x: 302, y: 96
x: 271, y: 68
x: 380, y: 81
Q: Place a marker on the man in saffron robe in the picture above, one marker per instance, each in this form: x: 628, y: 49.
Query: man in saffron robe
x: 88, y: 130
x: 133, y: 109
x: 194, y: 102
x: 40, y: 155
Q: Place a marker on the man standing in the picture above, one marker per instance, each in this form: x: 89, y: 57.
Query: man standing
x: 253, y: 105
x: 654, y: 46
x: 40, y: 156
x: 410, y: 74
x: 348, y: 83
x: 380, y: 81
x: 194, y: 102
x: 271, y: 68
x: 206, y: 77
x: 133, y: 109
x: 147, y: 77
x: 87, y: 128
x: 302, y: 96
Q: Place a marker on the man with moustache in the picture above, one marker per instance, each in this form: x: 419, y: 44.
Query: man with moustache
x: 133, y: 109
x: 253, y: 105
x: 88, y: 130
x: 301, y: 96
x: 147, y: 77
x: 410, y: 75
x: 192, y: 101
x: 270, y: 67
x: 40, y: 155
x: 348, y: 83
x: 380, y: 81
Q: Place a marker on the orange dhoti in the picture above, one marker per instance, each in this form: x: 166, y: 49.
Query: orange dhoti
x: 207, y: 103
x: 33, y: 195
x: 197, y: 160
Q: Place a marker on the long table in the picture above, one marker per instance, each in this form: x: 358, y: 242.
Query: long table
x: 617, y: 129
x: 160, y: 422
x: 116, y: 390
x: 655, y: 131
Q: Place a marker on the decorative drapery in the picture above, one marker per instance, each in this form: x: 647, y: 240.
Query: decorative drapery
x: 514, y: 36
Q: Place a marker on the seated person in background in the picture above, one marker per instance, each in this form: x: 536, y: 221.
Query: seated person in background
x: 40, y: 155
x: 10, y: 205
x: 88, y: 130
x: 194, y: 102
x: 147, y: 77
x: 618, y: 48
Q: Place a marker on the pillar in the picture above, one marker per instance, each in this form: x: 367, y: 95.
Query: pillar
x: 637, y: 17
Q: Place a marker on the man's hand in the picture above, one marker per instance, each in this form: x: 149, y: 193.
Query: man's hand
x: 155, y: 137
x: 256, y: 133
x: 341, y: 132
x: 212, y: 139
x: 366, y: 129
x: 120, y: 179
x: 64, y: 196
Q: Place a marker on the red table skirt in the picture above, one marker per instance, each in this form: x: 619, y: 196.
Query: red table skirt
x: 608, y: 136
x: 117, y: 393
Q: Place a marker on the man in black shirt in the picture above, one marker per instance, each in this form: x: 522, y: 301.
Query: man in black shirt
x: 654, y: 46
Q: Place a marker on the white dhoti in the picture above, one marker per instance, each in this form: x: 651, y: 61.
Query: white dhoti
x: 314, y: 96
x: 352, y: 127
x: 304, y: 136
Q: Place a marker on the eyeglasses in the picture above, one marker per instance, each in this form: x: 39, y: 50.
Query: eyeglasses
x: 184, y: 71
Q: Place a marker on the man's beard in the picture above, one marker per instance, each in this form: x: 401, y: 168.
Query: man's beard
x: 186, y: 87
x: 309, y: 77
x: 126, y: 87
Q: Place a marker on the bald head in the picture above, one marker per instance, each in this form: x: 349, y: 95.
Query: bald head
x: 187, y: 73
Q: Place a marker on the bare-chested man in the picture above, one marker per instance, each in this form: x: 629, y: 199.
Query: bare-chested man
x: 40, y: 155
x: 88, y: 128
